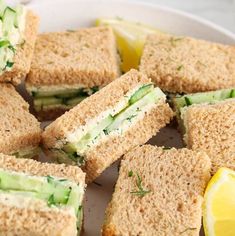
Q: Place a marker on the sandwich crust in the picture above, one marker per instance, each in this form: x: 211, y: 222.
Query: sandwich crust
x: 24, y: 53
x: 176, y: 180
x: 86, y: 56
x: 19, y: 129
x: 32, y: 167
x: 36, y: 219
x: 183, y: 64
x: 211, y: 128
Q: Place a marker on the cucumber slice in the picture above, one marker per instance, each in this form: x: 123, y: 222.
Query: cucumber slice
x: 89, y: 137
x: 42, y: 187
x: 132, y: 111
x: 39, y: 102
x: 63, y: 93
x: 8, y: 21
x: 75, y: 101
x: 141, y: 92
x: 206, y: 97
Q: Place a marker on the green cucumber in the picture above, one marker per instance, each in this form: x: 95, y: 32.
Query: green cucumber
x: 8, y: 21
x: 132, y: 111
x: 75, y: 101
x: 63, y: 93
x: 44, y: 187
x: 206, y: 97
x: 53, y: 191
x: 90, y: 136
x: 47, y: 101
x: 141, y: 92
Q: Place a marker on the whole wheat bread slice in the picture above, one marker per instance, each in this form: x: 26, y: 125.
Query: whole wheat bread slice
x: 211, y: 128
x: 85, y: 56
x: 102, y: 155
x: 183, y: 64
x: 174, y: 181
x: 18, y: 128
x: 24, y: 52
x: 24, y: 216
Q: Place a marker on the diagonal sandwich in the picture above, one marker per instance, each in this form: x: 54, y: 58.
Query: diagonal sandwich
x: 99, y: 130
x: 158, y: 192
x: 40, y: 198
x: 69, y: 66
x: 207, y: 121
x: 18, y: 31
x: 20, y: 131
x: 188, y: 65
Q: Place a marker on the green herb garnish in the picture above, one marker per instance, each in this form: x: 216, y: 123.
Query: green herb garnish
x: 173, y: 41
x: 9, y: 64
x: 179, y: 68
x: 130, y: 118
x: 130, y: 173
x: 140, y: 192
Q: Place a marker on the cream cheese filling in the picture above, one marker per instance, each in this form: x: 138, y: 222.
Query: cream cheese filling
x: 91, y: 123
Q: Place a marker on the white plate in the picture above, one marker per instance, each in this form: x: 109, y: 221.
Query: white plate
x: 71, y: 14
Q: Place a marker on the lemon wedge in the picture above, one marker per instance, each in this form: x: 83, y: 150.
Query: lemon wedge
x: 219, y: 204
x: 130, y: 39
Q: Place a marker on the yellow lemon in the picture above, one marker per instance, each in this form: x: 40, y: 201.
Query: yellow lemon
x: 130, y: 39
x: 219, y: 204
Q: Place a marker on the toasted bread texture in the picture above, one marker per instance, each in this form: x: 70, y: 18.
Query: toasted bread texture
x: 25, y: 216
x: 183, y: 64
x: 86, y: 56
x: 211, y: 128
x: 33, y: 217
x: 174, y: 180
x: 36, y: 168
x: 19, y: 129
x: 24, y: 52
x: 100, y: 156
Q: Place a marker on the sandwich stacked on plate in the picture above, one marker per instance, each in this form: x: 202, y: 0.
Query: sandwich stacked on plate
x: 40, y: 198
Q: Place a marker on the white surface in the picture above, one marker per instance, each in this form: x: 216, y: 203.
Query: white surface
x: 82, y: 13
x: 221, y: 12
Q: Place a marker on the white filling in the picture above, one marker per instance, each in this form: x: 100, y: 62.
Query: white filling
x: 21, y: 201
x: 123, y: 127
x: 92, y: 123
